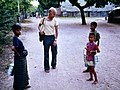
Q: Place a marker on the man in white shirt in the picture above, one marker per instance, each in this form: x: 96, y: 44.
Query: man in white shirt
x: 50, y: 30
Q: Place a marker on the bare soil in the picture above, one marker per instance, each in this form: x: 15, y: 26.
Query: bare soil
x: 72, y: 39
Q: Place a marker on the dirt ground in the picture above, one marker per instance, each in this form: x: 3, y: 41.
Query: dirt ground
x: 72, y: 39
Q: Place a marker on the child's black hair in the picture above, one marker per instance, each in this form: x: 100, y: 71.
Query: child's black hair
x: 16, y: 26
x: 91, y: 34
x: 94, y: 24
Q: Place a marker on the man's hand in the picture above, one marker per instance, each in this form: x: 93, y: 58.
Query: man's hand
x: 42, y: 33
x: 55, y: 42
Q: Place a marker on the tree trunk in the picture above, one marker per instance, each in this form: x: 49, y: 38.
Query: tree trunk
x: 82, y: 16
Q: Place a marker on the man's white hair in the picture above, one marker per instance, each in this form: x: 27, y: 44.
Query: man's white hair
x: 53, y: 9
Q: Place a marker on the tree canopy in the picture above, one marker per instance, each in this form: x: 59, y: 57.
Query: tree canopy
x: 97, y: 3
x: 45, y: 4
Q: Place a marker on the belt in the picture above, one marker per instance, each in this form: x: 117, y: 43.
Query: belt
x: 49, y: 35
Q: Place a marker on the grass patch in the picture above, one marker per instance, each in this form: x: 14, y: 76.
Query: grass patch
x: 24, y: 28
x: 26, y: 21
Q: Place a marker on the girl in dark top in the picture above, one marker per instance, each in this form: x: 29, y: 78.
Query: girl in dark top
x: 20, y: 64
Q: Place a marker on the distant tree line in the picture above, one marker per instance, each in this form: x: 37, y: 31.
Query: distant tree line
x: 45, y: 4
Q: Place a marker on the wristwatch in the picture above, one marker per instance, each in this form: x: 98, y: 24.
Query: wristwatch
x: 55, y: 39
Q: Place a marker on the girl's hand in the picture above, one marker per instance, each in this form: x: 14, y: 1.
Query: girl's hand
x: 85, y: 48
x: 92, y: 52
x: 13, y: 48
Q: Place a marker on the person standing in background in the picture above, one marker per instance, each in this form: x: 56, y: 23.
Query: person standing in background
x: 50, y: 32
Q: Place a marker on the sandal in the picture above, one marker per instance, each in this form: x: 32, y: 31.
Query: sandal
x: 95, y: 82
x: 89, y: 79
x: 27, y: 87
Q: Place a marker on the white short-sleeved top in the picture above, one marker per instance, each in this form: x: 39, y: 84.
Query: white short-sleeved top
x: 49, y: 26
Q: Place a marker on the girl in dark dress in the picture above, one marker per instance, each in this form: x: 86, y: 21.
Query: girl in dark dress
x: 20, y: 64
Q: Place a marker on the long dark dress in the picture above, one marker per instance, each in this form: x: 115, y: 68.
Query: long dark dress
x: 20, y: 66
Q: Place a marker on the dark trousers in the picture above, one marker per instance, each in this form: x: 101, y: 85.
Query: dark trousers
x: 20, y: 73
x: 48, y: 42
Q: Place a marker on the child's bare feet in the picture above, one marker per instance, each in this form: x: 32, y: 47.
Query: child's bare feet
x: 89, y: 79
x: 95, y: 82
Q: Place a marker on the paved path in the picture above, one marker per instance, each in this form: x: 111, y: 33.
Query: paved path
x: 71, y: 41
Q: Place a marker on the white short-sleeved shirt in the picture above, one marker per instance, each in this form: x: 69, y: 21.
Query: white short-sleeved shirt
x: 49, y: 26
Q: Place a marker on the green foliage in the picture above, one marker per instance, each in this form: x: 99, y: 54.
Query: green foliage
x: 46, y: 4
x: 73, y: 2
x: 8, y: 16
x: 101, y: 3
x: 98, y: 3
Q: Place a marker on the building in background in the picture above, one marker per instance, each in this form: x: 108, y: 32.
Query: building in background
x: 68, y: 10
